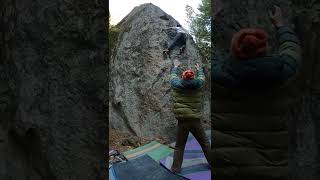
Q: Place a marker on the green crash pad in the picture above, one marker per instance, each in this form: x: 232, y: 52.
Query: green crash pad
x: 154, y: 149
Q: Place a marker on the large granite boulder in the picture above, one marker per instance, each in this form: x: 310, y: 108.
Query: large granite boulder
x: 140, y: 93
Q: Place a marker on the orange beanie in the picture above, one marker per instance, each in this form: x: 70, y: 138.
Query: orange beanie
x: 188, y: 75
x: 249, y: 43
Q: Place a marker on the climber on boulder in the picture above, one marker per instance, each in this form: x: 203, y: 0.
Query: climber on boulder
x: 252, y: 96
x: 187, y: 93
x: 179, y: 40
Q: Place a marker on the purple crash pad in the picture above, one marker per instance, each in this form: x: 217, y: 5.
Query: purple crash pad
x: 195, y: 165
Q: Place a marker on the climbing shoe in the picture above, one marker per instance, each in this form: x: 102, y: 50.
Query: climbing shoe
x: 166, y: 51
x: 182, y: 50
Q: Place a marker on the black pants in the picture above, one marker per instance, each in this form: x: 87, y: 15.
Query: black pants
x: 184, y: 127
x: 179, y: 40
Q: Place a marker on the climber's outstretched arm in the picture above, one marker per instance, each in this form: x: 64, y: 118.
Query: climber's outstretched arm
x: 175, y: 81
x: 171, y: 28
x: 200, y: 76
x: 289, y: 50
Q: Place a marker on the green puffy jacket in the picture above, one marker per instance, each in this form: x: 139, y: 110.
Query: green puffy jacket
x: 250, y: 101
x: 187, y: 95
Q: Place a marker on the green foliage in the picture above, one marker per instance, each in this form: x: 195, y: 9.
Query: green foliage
x: 200, y: 26
x: 113, y: 36
x: 114, y: 32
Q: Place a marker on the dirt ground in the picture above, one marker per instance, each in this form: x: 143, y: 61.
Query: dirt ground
x: 122, y: 141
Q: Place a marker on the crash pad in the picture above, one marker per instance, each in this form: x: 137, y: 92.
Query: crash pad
x: 142, y: 167
x: 154, y: 149
x: 195, y: 165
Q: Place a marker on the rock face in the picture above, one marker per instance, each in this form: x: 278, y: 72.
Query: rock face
x: 303, y: 118
x: 53, y: 89
x: 140, y: 98
x: 236, y: 15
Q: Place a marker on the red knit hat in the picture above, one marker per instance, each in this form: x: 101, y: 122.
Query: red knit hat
x: 188, y: 75
x: 249, y: 43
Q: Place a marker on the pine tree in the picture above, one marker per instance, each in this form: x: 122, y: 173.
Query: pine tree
x: 200, y: 26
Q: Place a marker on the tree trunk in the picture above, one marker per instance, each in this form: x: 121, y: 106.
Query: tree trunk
x: 304, y: 124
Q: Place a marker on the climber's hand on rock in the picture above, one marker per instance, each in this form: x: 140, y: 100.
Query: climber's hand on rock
x: 176, y: 63
x: 276, y: 17
x: 197, y: 66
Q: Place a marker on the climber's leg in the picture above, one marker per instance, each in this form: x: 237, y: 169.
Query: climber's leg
x: 200, y: 135
x: 182, y: 43
x: 175, y: 41
x: 181, y: 140
x: 182, y: 49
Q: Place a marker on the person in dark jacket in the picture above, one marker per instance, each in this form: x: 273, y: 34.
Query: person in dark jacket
x: 250, y: 100
x: 179, y: 40
x: 187, y: 92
